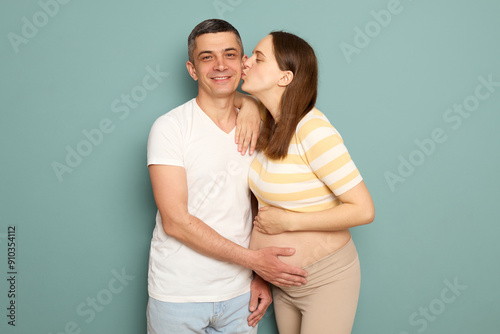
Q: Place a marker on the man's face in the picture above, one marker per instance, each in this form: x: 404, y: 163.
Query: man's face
x: 217, y: 64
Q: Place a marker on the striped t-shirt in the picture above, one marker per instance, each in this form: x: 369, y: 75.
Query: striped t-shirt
x: 317, y: 169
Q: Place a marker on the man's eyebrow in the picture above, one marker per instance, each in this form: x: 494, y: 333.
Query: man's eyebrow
x: 211, y: 52
x: 202, y: 52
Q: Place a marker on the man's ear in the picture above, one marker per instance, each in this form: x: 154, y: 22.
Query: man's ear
x: 192, y: 70
x: 286, y: 79
x: 243, y: 60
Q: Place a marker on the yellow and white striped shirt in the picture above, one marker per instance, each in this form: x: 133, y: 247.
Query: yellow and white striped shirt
x: 317, y: 169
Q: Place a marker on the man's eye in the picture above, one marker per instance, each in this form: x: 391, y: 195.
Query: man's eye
x: 231, y: 55
x: 206, y: 57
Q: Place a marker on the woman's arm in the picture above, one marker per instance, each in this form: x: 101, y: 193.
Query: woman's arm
x: 247, y: 123
x: 356, y: 209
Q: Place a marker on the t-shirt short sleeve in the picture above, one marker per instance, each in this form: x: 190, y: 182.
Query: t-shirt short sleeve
x: 165, y: 143
x: 327, y: 155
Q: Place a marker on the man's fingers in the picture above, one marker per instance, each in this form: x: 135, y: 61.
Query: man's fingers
x: 297, y: 275
x: 283, y: 251
x: 254, y: 301
x: 293, y: 275
x: 254, y: 318
x: 286, y: 280
x: 261, y: 309
x: 290, y: 281
x: 296, y: 272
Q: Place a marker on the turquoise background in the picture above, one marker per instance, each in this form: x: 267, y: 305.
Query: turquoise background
x: 437, y: 224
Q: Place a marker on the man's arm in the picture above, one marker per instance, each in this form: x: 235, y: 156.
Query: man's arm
x: 170, y: 191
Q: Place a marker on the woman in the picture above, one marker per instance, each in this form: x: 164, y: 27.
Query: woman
x: 309, y: 191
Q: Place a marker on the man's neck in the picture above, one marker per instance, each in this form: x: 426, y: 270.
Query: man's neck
x: 220, y: 110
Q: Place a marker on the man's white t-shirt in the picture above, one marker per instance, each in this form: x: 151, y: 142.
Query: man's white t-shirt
x: 218, y: 194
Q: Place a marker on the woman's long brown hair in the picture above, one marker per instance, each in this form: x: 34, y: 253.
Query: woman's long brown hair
x: 296, y: 55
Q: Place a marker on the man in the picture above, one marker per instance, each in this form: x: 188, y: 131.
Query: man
x: 200, y: 270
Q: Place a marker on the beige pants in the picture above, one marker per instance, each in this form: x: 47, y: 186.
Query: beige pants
x: 327, y: 303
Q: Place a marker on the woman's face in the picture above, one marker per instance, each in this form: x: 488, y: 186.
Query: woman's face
x: 261, y: 72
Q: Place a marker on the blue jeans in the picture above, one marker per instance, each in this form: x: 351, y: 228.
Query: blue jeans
x: 228, y: 316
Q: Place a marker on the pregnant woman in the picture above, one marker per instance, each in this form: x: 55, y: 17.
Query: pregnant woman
x: 309, y: 190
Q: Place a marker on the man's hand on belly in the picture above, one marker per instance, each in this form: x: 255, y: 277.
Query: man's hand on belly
x: 268, y: 266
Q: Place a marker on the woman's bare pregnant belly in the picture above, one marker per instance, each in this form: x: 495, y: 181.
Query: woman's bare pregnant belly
x: 309, y: 246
